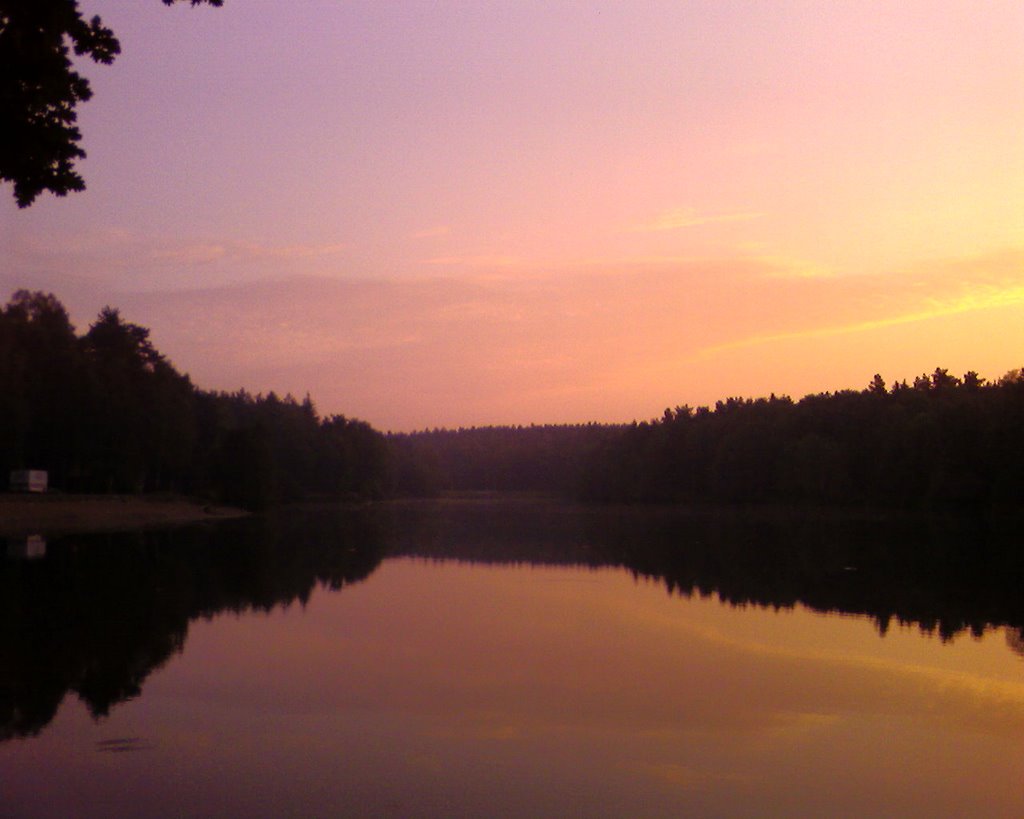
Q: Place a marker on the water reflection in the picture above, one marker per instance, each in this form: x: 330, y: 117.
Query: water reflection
x: 944, y: 575
x: 96, y: 615
x: 31, y: 547
x: 99, y: 614
x: 1015, y: 640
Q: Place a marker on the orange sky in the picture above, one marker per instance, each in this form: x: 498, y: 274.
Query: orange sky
x: 461, y: 213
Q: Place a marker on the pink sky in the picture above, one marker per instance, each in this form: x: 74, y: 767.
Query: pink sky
x: 443, y: 214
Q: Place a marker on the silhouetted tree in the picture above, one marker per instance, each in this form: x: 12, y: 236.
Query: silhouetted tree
x: 40, y: 91
x: 973, y: 381
x: 41, y: 384
x: 943, y: 381
x: 143, y: 424
x: 108, y: 412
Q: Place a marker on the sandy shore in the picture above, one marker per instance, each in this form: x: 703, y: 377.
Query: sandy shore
x: 57, y: 514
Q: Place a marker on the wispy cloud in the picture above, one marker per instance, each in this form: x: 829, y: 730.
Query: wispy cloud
x: 126, y: 259
x: 431, y: 232
x: 483, y: 260
x: 857, y: 327
x: 941, y: 289
x: 200, y: 251
x: 786, y: 267
x: 679, y: 218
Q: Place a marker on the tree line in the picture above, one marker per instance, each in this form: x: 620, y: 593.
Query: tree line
x: 544, y: 459
x: 106, y: 412
x: 942, y: 439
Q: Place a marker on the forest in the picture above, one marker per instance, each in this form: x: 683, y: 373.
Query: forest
x: 106, y: 412
x: 955, y: 442
x: 941, y: 440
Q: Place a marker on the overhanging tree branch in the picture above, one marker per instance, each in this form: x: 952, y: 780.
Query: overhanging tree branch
x: 40, y: 91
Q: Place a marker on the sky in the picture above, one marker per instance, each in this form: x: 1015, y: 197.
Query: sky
x: 444, y: 214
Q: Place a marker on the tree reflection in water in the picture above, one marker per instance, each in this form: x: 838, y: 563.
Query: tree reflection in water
x: 1015, y: 640
x: 99, y: 614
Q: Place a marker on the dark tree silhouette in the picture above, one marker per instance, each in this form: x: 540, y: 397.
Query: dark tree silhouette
x: 105, y: 611
x: 41, y: 381
x: 40, y: 91
x: 108, y: 412
x: 144, y: 424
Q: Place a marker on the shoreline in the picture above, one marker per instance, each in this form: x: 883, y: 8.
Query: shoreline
x: 22, y: 515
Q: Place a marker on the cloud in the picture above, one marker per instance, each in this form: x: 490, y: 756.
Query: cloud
x: 782, y: 267
x: 122, y: 259
x: 429, y: 233
x: 202, y: 252
x: 937, y: 289
x: 482, y: 260
x: 679, y: 218
x: 192, y: 253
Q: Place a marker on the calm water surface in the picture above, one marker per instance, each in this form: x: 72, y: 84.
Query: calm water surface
x: 513, y: 659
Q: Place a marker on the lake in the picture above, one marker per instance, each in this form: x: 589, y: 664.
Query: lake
x: 516, y: 658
